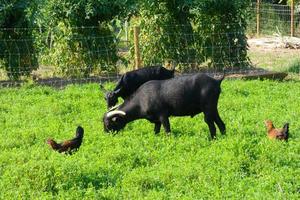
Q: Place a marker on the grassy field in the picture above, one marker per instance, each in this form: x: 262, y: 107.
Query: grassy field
x: 136, y: 163
x: 276, y: 60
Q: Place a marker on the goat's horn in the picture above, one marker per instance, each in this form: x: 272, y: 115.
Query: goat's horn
x: 113, y: 108
x: 115, y: 112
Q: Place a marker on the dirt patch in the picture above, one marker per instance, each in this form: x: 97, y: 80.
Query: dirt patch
x: 275, y: 42
x: 61, y: 83
x: 261, y: 75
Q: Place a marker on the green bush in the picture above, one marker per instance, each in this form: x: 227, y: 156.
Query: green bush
x: 221, y: 29
x: 79, y: 53
x: 193, y: 32
x: 80, y: 39
x: 165, y: 31
x: 16, y: 39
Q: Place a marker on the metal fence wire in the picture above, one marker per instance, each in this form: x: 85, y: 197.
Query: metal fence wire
x: 269, y: 19
x: 54, y: 57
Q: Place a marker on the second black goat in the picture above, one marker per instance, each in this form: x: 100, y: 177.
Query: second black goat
x: 131, y: 81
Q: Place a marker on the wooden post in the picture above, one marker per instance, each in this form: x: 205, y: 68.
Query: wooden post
x: 257, y: 17
x: 137, y: 59
x: 292, y: 18
x: 126, y: 30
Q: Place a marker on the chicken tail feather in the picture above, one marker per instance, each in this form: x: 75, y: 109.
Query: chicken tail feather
x: 286, y: 130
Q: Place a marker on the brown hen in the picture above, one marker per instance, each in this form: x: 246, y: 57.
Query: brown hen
x: 68, y: 146
x: 275, y: 133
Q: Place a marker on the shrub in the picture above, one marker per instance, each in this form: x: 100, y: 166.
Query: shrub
x: 192, y: 32
x: 80, y: 39
x: 16, y: 44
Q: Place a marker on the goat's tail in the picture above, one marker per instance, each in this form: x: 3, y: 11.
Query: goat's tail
x: 222, y: 77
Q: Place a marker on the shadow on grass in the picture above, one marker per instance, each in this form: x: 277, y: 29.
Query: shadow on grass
x: 180, y: 133
x: 204, y: 135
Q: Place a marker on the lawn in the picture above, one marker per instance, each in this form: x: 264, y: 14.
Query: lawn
x: 136, y: 163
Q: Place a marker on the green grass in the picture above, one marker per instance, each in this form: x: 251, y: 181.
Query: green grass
x: 136, y: 163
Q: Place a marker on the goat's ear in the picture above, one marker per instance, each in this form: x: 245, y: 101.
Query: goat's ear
x: 102, y: 88
x: 117, y: 91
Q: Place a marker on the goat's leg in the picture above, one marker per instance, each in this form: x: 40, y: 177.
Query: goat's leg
x: 209, y: 119
x: 157, y: 127
x: 220, y: 123
x: 166, y: 124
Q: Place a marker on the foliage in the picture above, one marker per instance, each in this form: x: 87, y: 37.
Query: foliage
x: 221, y: 27
x: 136, y: 163
x: 80, y: 38
x: 274, y: 19
x: 81, y: 52
x: 166, y: 31
x: 16, y: 39
x: 289, y: 2
x: 188, y: 31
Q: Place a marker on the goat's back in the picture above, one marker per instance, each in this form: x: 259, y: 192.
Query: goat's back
x: 182, y: 95
x: 132, y: 80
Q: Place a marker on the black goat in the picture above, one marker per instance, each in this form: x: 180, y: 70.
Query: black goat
x: 131, y: 81
x: 157, y: 100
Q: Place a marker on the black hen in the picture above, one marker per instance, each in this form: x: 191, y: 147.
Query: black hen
x: 68, y: 146
x: 285, y: 133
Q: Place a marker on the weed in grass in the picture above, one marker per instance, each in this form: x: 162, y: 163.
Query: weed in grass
x: 294, y: 67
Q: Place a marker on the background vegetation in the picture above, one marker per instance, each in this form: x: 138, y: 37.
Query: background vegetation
x: 193, y: 32
x: 84, y: 38
x: 136, y: 163
x: 17, y: 50
x: 80, y: 38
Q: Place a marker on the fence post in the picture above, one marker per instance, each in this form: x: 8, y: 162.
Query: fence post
x: 257, y: 17
x: 137, y: 59
x: 292, y: 18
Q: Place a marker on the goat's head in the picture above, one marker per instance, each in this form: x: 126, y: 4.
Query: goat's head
x: 165, y: 73
x: 114, y: 120
x: 111, y: 98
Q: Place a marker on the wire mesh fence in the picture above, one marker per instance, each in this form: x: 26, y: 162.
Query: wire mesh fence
x: 274, y: 19
x: 57, y: 57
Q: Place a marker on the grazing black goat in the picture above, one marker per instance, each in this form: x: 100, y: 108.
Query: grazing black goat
x: 131, y: 81
x: 157, y: 100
